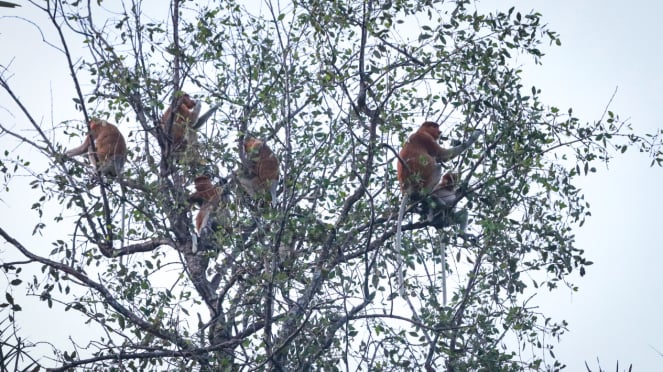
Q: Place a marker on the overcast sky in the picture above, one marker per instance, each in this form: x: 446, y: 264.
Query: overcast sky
x: 617, y: 313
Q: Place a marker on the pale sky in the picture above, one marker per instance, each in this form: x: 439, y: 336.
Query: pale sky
x: 616, y: 314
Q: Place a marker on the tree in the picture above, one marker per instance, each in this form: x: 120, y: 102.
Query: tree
x: 334, y: 88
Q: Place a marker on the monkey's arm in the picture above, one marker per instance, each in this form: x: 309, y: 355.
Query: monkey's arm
x: 203, y: 118
x: 193, y: 114
x: 448, y: 154
x: 80, y: 150
x: 197, y: 198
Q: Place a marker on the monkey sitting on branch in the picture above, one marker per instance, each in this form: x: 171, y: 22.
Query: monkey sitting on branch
x: 259, y: 173
x: 109, y: 152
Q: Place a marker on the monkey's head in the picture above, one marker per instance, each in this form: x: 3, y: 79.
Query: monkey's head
x: 96, y: 124
x: 205, y: 191
x: 252, y: 144
x: 449, y: 181
x: 252, y: 148
x: 203, y: 183
x: 188, y: 101
x: 432, y: 128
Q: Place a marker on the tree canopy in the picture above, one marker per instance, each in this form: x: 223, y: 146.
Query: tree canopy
x: 308, y: 280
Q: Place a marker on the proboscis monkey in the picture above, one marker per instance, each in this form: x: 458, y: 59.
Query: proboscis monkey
x: 259, y: 176
x: 423, y: 155
x: 441, y: 213
x: 419, y: 171
x: 110, y: 154
x: 182, y: 133
x: 446, y: 190
x: 111, y: 149
x: 209, y: 197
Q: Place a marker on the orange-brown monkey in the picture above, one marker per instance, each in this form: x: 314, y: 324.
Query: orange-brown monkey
x: 419, y: 171
x: 422, y: 156
x: 260, y: 174
x: 209, y: 197
x: 110, y: 145
x: 110, y: 155
x: 183, y: 130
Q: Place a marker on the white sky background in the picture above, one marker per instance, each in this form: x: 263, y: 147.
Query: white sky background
x: 616, y: 315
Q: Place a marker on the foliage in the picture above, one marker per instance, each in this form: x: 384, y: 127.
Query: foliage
x: 334, y: 88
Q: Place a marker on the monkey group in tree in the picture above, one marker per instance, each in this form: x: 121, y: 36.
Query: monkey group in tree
x: 109, y: 152
x: 259, y: 174
x: 420, y: 179
x: 179, y: 125
x: 419, y: 166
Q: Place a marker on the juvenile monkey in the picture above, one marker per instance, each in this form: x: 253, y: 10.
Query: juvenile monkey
x: 447, y: 190
x: 182, y: 133
x: 210, y: 198
x: 440, y: 209
x: 419, y: 172
x: 111, y: 149
x: 259, y: 175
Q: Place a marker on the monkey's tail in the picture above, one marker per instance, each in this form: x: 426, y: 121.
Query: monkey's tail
x: 399, y: 243
x: 194, y: 242
x: 273, y: 192
x: 124, y: 214
x: 443, y: 253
